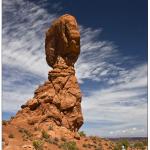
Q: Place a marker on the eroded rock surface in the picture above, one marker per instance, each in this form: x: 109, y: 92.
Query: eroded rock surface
x: 58, y: 100
x: 62, y: 44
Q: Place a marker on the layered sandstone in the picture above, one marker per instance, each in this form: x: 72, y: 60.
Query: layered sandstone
x: 58, y: 101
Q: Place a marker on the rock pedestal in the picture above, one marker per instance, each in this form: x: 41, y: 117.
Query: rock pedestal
x: 58, y: 101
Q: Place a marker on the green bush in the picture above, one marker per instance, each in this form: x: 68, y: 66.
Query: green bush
x: 28, y: 133
x: 81, y: 133
x: 45, y: 134
x: 69, y: 146
x: 38, y: 145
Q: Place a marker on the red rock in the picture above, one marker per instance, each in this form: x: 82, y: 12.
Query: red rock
x: 62, y: 44
x: 33, y: 104
x: 58, y: 101
x: 67, y: 101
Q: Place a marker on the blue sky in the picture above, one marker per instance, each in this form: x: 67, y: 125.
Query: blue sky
x: 111, y: 69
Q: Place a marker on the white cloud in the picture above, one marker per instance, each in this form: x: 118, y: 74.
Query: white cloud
x: 23, y: 58
x: 23, y: 38
x: 125, y: 103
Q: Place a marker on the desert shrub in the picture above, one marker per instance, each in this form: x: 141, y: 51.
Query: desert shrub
x: 52, y: 140
x: 94, y: 138
x: 121, y: 143
x: 81, y: 133
x: 145, y: 142
x: 45, y: 134
x: 63, y: 139
x: 139, y: 145
x: 49, y: 140
x: 125, y: 143
x: 56, y: 139
x: 116, y: 148
x: 85, y: 145
x: 28, y: 133
x: 55, y: 142
x: 50, y: 128
x: 69, y: 145
x: 21, y: 130
x: 4, y: 122
x: 38, y: 145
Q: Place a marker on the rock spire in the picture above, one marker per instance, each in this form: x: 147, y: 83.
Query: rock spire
x: 58, y: 101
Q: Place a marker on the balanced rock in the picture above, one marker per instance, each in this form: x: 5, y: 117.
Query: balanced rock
x: 62, y: 44
x: 58, y: 101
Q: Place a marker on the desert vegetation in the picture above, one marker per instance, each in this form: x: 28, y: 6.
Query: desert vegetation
x: 45, y: 134
x: 38, y: 145
x: 82, y: 133
x: 140, y: 144
x: 69, y: 146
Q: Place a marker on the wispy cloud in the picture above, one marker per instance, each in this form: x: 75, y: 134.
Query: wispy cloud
x: 117, y: 103
x: 24, y: 65
x: 124, y: 101
x: 98, y: 59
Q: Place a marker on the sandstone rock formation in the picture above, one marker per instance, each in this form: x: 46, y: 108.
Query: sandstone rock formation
x: 62, y: 44
x: 51, y: 119
x: 58, y: 101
